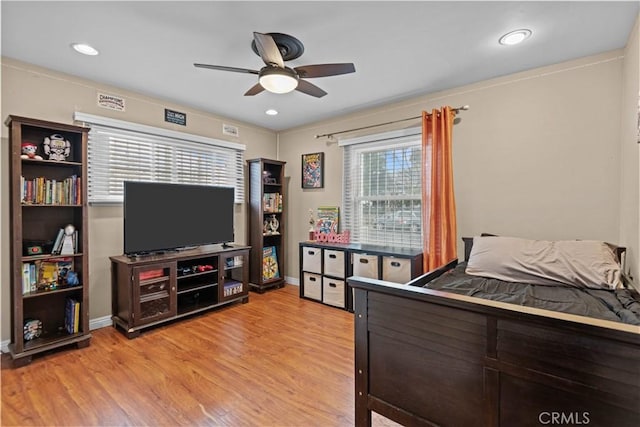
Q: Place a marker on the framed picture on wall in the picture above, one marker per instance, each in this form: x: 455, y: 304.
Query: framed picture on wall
x: 313, y: 170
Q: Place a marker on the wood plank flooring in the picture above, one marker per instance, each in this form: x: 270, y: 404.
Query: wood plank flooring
x: 276, y: 361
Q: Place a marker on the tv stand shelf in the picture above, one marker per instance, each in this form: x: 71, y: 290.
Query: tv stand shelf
x: 154, y: 289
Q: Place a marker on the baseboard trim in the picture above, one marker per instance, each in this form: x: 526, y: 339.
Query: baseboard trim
x: 292, y: 280
x: 100, y: 322
x: 4, y: 346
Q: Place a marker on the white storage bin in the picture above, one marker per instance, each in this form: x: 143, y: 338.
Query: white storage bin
x: 333, y: 292
x: 396, y: 270
x: 334, y: 263
x: 313, y: 286
x: 312, y: 259
x: 365, y: 265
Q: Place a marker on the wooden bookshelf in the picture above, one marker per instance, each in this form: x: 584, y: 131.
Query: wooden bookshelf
x: 38, y: 223
x: 267, y: 207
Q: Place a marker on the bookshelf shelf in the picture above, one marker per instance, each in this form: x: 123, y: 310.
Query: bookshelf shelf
x: 37, y: 223
x: 50, y: 340
x: 55, y: 163
x: 51, y: 257
x: 48, y: 205
x: 53, y: 291
x: 267, y: 202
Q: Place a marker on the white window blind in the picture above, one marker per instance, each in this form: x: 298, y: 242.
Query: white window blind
x: 382, y: 189
x: 120, y: 151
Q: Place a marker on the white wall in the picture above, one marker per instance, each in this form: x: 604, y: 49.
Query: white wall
x: 536, y: 156
x: 40, y: 93
x: 629, y: 176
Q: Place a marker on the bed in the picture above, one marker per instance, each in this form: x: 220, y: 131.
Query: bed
x: 434, y: 357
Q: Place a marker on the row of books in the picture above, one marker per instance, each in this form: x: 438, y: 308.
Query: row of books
x: 72, y: 316
x: 272, y: 202
x: 43, y: 191
x: 65, y: 244
x: 46, y: 274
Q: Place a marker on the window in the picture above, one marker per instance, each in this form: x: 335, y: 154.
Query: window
x: 382, y: 189
x: 120, y: 151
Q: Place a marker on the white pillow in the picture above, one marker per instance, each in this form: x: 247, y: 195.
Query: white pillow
x: 579, y: 263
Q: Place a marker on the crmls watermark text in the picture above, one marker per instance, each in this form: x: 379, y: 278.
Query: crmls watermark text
x: 564, y: 418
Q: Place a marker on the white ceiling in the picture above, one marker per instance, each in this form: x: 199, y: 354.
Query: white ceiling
x: 400, y: 49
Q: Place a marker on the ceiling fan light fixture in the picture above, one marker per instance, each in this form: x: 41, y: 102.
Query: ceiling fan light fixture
x: 515, y: 37
x: 278, y: 80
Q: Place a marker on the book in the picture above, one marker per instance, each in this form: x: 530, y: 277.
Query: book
x: 72, y: 316
x: 68, y: 315
x: 76, y: 317
x: 328, y: 219
x: 26, y: 278
x: 270, y: 269
x: 47, y: 273
x: 57, y: 243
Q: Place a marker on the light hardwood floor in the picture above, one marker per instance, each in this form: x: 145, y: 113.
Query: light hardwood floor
x: 276, y: 361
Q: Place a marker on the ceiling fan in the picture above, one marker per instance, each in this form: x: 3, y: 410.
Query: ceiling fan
x: 274, y: 49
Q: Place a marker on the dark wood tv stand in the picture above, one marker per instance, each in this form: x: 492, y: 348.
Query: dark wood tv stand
x: 152, y: 289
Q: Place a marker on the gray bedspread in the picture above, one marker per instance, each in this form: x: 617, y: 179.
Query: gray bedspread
x: 617, y: 306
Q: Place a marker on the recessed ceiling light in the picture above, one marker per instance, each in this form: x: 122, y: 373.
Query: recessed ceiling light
x: 84, y: 49
x: 515, y: 37
x: 271, y: 112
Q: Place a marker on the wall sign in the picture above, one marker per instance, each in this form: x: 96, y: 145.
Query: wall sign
x: 176, y: 117
x: 230, y: 130
x: 111, y: 102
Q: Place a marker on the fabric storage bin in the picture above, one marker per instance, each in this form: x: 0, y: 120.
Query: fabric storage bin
x: 333, y: 292
x: 313, y: 286
x: 365, y: 265
x: 333, y: 263
x: 312, y: 259
x: 396, y: 270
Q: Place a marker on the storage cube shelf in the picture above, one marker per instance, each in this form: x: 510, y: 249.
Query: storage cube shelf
x: 325, y: 267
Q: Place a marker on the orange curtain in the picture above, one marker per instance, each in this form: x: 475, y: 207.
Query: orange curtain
x: 438, y: 201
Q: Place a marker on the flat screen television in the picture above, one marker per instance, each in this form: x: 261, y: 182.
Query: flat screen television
x: 160, y: 216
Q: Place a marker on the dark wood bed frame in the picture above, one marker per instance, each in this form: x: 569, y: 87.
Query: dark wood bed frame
x: 431, y: 358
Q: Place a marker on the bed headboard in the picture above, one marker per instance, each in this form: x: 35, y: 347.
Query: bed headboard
x: 468, y: 244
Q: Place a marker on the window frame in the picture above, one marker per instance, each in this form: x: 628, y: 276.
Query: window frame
x: 354, y: 218
x: 163, y: 155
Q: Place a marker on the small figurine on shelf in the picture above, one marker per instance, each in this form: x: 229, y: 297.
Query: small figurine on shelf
x: 68, y: 277
x: 32, y: 329
x: 68, y: 243
x: 267, y: 178
x: 29, y: 151
x: 312, y: 223
x: 274, y: 224
x: 56, y: 147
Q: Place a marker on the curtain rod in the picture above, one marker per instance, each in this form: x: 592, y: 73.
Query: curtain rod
x: 332, y: 134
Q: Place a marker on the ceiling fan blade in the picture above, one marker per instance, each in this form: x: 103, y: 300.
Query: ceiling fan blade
x: 223, y: 68
x: 325, y: 70
x: 255, y: 89
x: 310, y: 89
x: 268, y: 49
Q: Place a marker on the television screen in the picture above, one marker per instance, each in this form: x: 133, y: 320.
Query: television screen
x: 160, y: 216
